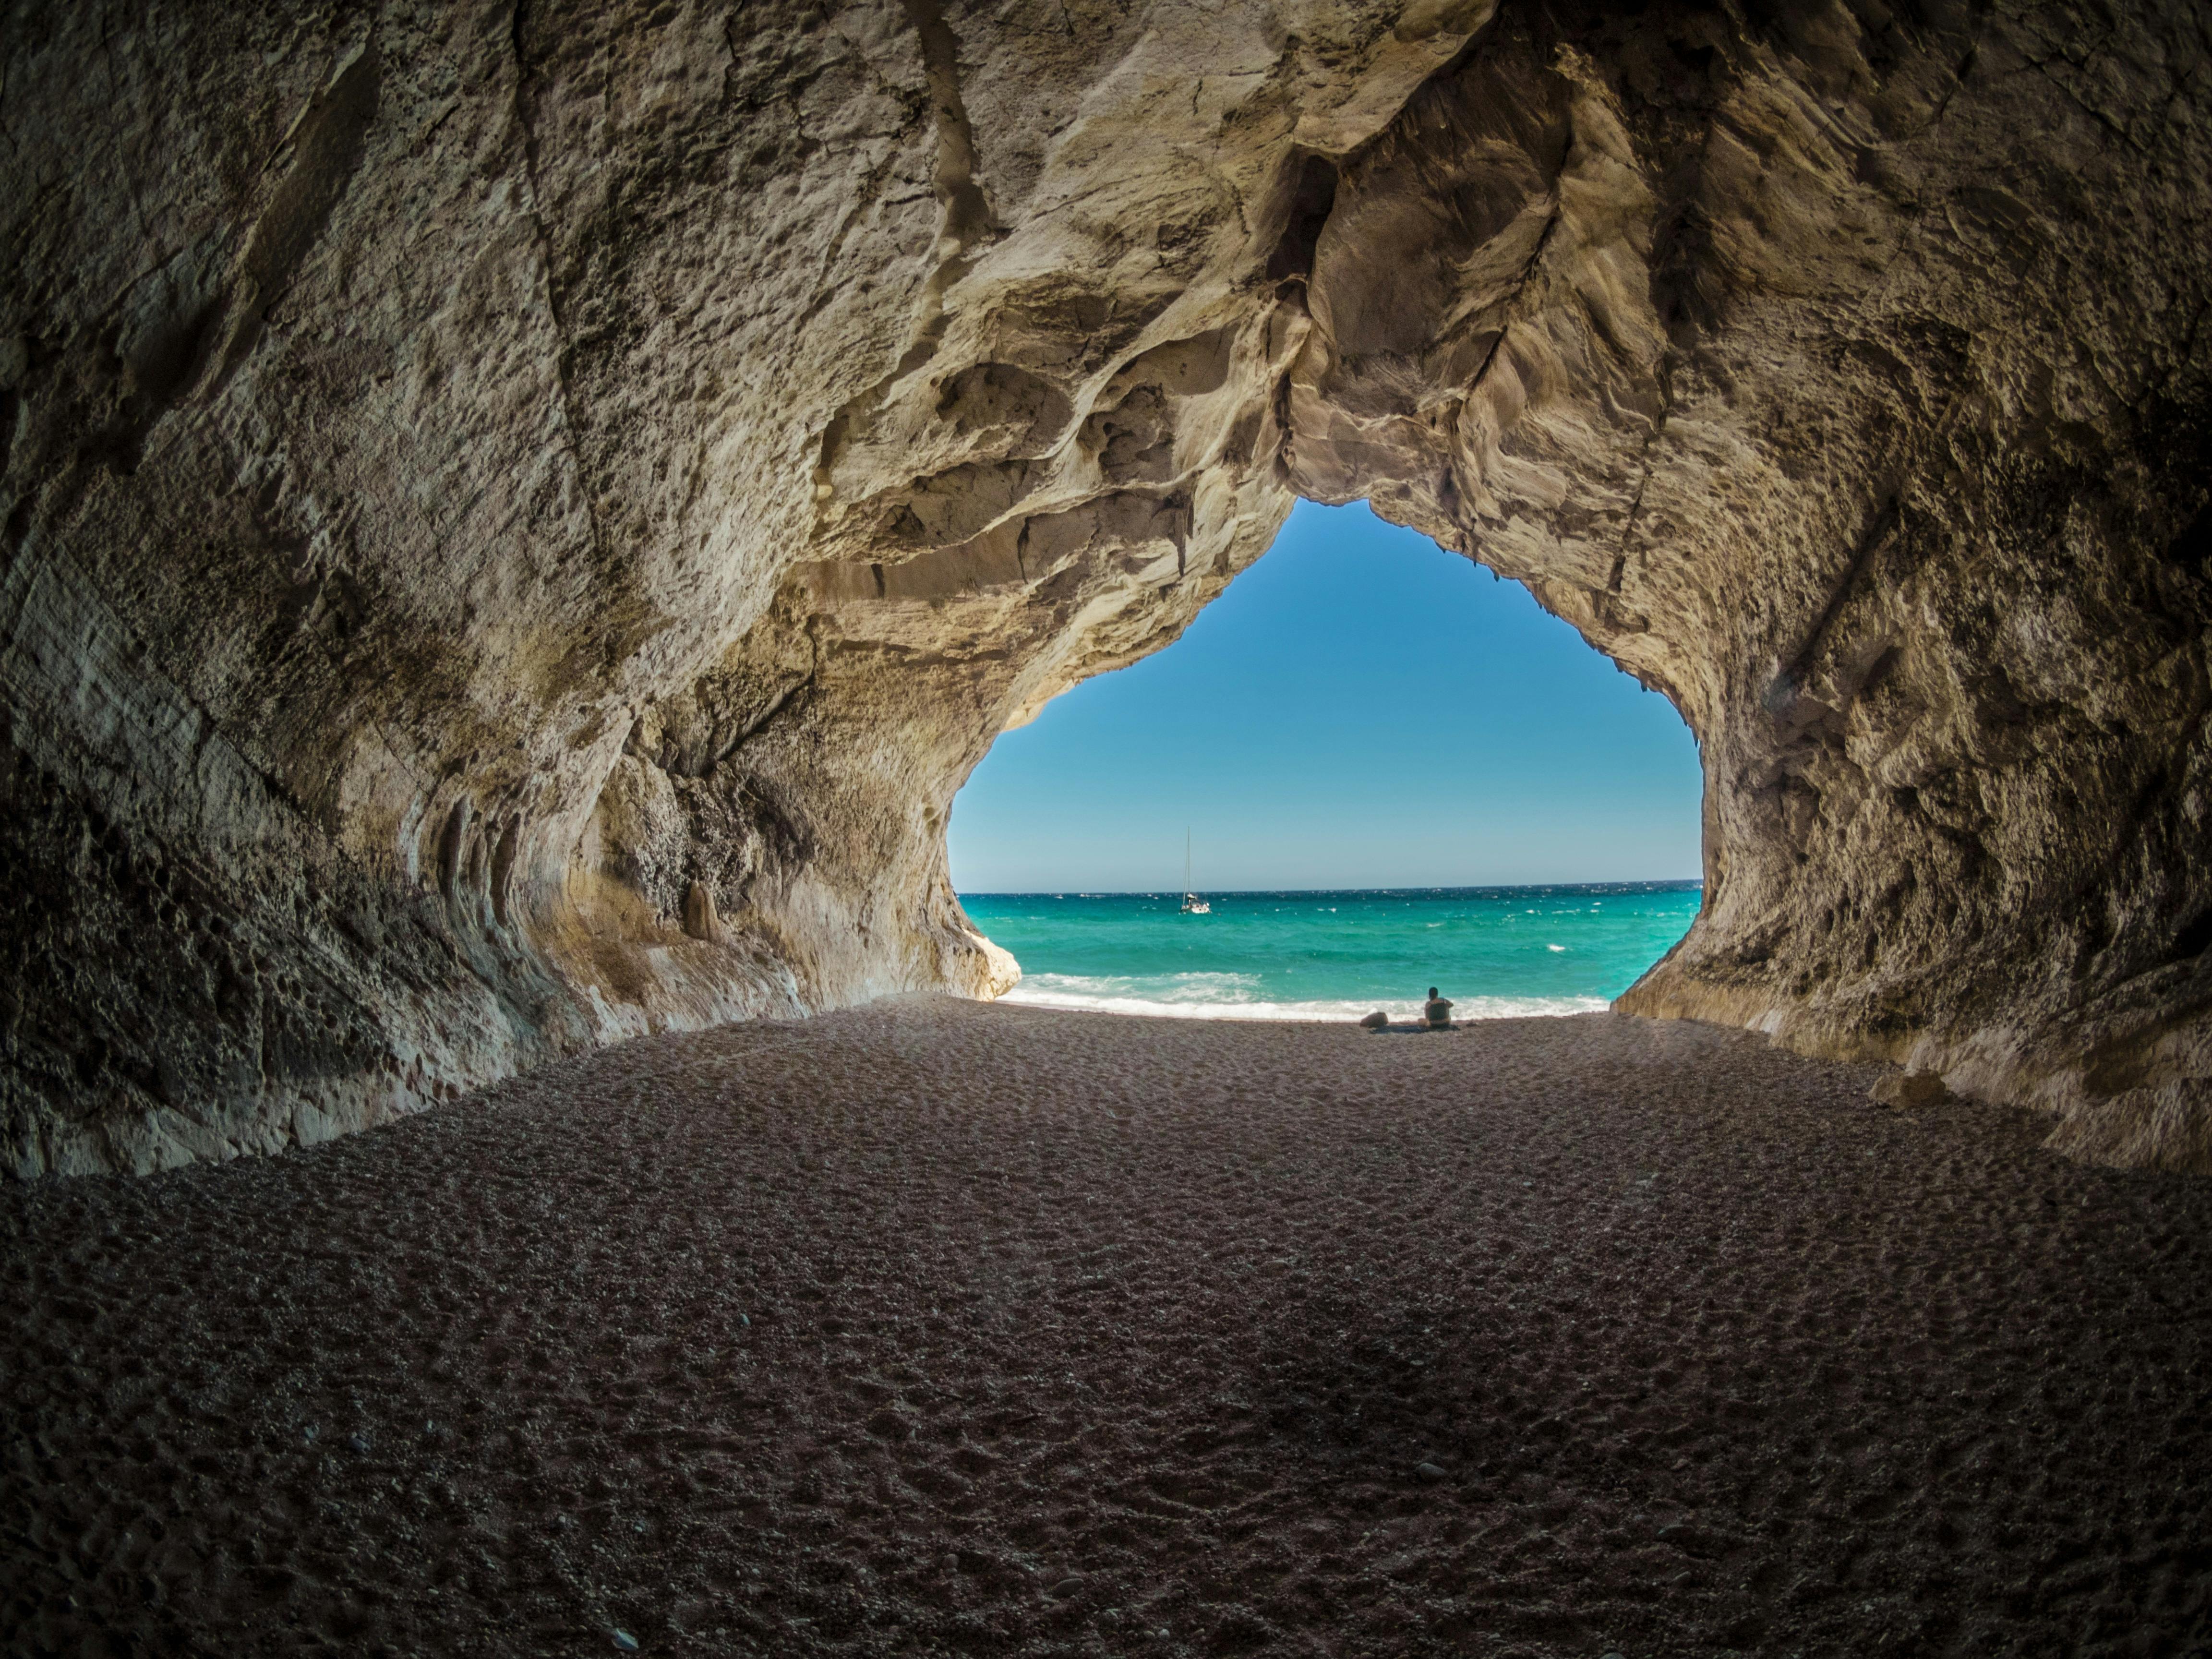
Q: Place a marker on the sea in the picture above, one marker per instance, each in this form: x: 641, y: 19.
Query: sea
x: 1496, y: 952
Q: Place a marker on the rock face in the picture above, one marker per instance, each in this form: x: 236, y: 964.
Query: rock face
x: 517, y: 521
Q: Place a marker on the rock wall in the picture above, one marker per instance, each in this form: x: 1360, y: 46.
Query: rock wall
x: 518, y: 519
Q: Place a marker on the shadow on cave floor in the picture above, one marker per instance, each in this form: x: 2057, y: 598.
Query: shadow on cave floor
x: 933, y: 1327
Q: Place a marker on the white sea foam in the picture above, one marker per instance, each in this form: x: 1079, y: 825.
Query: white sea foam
x: 1230, y: 996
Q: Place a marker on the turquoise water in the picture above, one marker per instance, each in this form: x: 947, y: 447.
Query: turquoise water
x: 1495, y: 951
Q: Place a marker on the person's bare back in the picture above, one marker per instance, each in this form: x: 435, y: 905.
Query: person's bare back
x: 1436, y: 1011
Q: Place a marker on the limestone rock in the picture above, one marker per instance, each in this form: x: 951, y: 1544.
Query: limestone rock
x: 474, y: 480
x: 700, y: 919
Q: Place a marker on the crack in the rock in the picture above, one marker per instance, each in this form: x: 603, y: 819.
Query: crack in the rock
x: 1649, y: 466
x: 1888, y: 522
x: 1958, y: 80
x: 752, y: 727
x: 1511, y: 303
x: 867, y: 194
x: 2042, y: 66
x: 864, y: 198
x: 789, y: 87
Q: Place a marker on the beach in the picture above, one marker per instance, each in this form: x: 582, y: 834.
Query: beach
x: 934, y: 1327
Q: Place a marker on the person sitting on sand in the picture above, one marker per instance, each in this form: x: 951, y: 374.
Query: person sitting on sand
x: 1436, y: 1011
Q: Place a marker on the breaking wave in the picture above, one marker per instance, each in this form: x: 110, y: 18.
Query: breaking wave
x: 1237, y: 996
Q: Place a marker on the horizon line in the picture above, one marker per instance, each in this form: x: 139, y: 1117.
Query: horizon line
x: 1436, y: 887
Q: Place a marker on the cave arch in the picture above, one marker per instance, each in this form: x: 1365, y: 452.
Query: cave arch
x: 1359, y: 709
x: 557, y: 598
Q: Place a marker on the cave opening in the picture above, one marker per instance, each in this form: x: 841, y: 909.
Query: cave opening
x: 1391, y: 767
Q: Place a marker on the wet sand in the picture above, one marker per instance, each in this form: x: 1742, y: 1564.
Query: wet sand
x: 936, y: 1328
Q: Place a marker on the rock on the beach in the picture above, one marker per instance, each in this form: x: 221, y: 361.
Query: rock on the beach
x: 1911, y: 1091
x: 512, y: 535
x: 1376, y: 1021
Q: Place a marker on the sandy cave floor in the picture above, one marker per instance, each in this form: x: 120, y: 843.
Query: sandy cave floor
x: 937, y: 1326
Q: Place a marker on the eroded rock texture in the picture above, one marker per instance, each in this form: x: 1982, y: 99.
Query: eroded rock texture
x: 519, y: 520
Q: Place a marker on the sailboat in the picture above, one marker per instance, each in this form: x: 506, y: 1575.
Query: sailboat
x: 1192, y: 904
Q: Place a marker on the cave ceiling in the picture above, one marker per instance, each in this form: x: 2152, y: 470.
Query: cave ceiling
x: 519, y: 520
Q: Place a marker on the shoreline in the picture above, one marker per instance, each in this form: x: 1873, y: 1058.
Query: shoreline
x: 1345, y: 1012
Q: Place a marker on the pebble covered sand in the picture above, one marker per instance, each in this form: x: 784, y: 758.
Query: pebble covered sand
x: 933, y: 1327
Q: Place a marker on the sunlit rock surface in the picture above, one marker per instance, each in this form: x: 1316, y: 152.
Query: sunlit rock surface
x: 517, y: 522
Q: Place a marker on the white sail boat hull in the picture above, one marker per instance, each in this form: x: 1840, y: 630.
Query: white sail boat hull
x: 1192, y: 904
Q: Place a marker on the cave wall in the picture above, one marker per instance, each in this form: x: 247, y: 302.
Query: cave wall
x: 519, y: 519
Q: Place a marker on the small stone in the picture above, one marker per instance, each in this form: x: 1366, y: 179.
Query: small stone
x: 359, y: 1443
x: 309, y: 1434
x: 1431, y: 1471
x: 747, y: 1323
x: 625, y: 1641
x: 1910, y: 1092
x: 1065, y: 1587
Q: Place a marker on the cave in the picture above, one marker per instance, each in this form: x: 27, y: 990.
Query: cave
x: 517, y: 522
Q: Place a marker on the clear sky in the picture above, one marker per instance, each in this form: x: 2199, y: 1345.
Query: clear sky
x: 1359, y: 709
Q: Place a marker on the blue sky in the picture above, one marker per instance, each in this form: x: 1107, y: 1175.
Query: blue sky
x: 1359, y: 709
